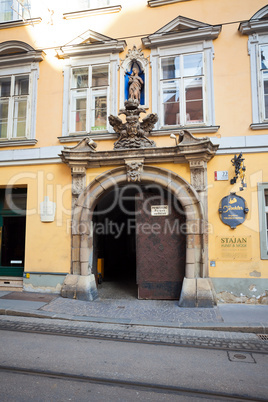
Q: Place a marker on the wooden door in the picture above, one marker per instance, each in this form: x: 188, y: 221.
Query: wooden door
x: 160, y: 247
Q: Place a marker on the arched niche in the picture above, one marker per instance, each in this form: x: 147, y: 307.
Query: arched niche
x: 134, y: 58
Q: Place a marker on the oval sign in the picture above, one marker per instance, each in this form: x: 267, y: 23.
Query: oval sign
x: 233, y: 210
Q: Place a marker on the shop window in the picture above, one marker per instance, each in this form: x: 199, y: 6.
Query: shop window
x: 12, y: 10
x: 263, y: 218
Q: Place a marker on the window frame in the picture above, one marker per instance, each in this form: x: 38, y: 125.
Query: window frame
x: 257, y: 87
x: 90, y: 93
x: 18, y: 12
x: 263, y: 220
x: 206, y: 48
x: 112, y: 61
x: 32, y: 71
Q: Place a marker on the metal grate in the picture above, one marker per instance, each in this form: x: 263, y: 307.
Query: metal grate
x: 263, y: 337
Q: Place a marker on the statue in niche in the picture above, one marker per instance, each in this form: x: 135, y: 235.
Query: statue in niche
x: 133, y: 133
x: 135, y: 85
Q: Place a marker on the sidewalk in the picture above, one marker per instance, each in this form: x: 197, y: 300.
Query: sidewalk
x: 224, y: 317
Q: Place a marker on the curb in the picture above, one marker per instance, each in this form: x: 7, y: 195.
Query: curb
x: 257, y: 328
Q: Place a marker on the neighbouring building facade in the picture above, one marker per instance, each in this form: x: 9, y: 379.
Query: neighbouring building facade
x: 133, y: 147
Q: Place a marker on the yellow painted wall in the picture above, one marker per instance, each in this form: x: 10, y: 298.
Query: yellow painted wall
x: 256, y: 172
x: 48, y: 245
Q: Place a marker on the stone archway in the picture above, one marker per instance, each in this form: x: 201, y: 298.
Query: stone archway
x: 82, y: 234
x: 135, y: 167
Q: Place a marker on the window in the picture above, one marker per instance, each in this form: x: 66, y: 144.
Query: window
x: 257, y: 30
x: 89, y: 92
x: 90, y: 84
x: 14, y: 10
x: 182, y: 90
x: 182, y: 75
x: 14, y: 101
x: 263, y: 218
x: 19, y: 72
x: 80, y: 5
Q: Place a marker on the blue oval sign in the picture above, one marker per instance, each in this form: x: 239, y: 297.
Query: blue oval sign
x: 233, y: 210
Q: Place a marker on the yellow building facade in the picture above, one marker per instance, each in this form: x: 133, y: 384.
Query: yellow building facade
x: 180, y: 206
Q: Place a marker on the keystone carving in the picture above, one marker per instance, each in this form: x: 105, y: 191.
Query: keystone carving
x: 134, y: 170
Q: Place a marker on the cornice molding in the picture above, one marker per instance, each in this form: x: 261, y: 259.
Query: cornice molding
x: 19, y: 23
x: 16, y: 143
x: 91, y: 42
x: 158, y: 3
x: 258, y: 23
x: 181, y: 30
x: 95, y: 11
x: 17, y: 52
x: 85, y: 155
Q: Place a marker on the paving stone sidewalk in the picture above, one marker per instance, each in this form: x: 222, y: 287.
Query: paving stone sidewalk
x: 140, y: 310
x: 134, y: 333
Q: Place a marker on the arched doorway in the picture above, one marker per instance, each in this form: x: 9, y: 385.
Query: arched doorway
x: 139, y: 236
x: 83, y: 223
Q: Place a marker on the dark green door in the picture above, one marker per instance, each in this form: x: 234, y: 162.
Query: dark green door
x: 12, y: 231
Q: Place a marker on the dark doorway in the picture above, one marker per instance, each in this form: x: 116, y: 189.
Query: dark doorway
x: 12, y: 231
x: 143, y: 251
x: 114, y: 240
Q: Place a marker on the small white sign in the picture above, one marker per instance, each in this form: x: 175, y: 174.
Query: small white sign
x: 159, y: 210
x: 221, y: 175
x: 47, y: 210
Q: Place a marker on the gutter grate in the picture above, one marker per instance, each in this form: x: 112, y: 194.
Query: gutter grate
x: 263, y: 337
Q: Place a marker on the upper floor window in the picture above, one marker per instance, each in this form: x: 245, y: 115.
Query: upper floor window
x: 89, y: 93
x: 80, y: 5
x: 90, y: 84
x: 19, y: 72
x: 14, y: 103
x: 182, y: 74
x: 182, y: 90
x: 11, y: 10
x: 264, y: 80
x: 257, y: 30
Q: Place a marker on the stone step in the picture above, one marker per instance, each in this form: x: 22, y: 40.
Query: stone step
x: 12, y: 283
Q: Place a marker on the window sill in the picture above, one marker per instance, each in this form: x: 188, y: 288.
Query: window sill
x: 259, y: 126
x: 19, y: 23
x: 93, y: 136
x: 16, y: 143
x: 158, y: 3
x: 193, y: 130
x: 95, y: 11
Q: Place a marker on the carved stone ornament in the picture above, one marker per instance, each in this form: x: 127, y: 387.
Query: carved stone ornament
x: 133, y: 133
x: 134, y: 54
x: 134, y: 171
x: 78, y: 184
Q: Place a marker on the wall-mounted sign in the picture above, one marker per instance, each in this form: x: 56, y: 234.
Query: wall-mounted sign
x: 159, y: 210
x: 47, y: 210
x: 233, y: 210
x: 233, y: 248
x: 221, y: 175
